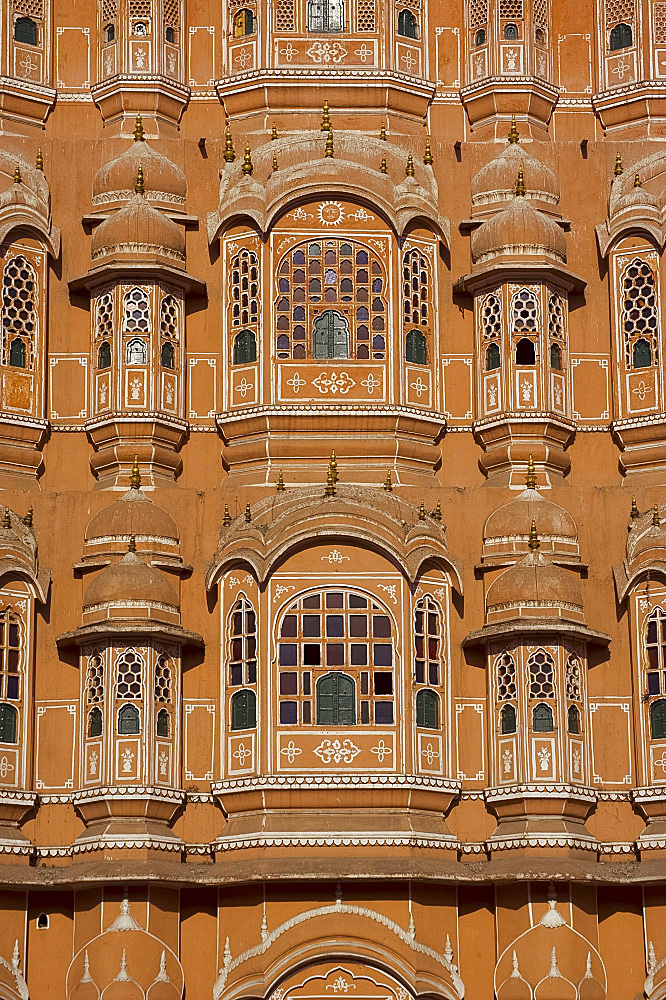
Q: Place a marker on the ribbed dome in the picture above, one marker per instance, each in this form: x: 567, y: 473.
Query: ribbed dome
x: 132, y: 514
x: 637, y: 198
x: 497, y: 180
x: 521, y: 230
x: 653, y: 541
x: 131, y: 579
x: 115, y: 181
x: 140, y: 229
x: 515, y: 518
x: 535, y: 581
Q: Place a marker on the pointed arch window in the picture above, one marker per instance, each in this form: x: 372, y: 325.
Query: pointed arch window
x: 407, y: 24
x: 542, y: 719
x: 493, y: 359
x: 95, y: 722
x: 104, y: 355
x: 129, y: 676
x: 11, y: 656
x: 136, y: 352
x: 508, y: 720
x: 242, y: 644
x: 19, y: 312
x: 416, y: 284
x: 244, y: 289
x: 163, y: 727
x: 129, y: 721
x: 639, y: 314
x: 136, y: 311
x: 169, y: 323
x: 326, y: 15
x: 621, y: 37
x: 541, y: 671
x: 525, y: 352
x: 573, y: 720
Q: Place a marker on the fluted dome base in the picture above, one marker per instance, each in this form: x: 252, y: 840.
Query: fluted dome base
x: 508, y: 443
x: 153, y: 438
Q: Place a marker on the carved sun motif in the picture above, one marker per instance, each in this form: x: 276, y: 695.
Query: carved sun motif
x: 331, y: 213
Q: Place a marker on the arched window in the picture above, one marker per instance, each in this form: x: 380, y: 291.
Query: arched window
x: 556, y: 357
x: 491, y: 330
x: 542, y: 719
x: 573, y: 720
x: 510, y: 32
x: 243, y: 23
x: 129, y: 676
x: 427, y: 642
x: 136, y: 352
x: 541, y: 671
x: 104, y: 355
x: 335, y: 633
x: 480, y: 37
x: 95, y: 680
x: 416, y: 348
x: 326, y: 15
x: 245, y: 348
x: 243, y: 710
x: 573, y: 678
x: 508, y: 720
x: 129, y: 723
x: 427, y: 709
x: 540, y: 36
x: 11, y: 654
x: 162, y: 690
x: 642, y: 354
x: 621, y: 37
x: 639, y: 314
x: 244, y: 273
x: 25, y: 31
x: 525, y: 352
x: 95, y: 722
x: 136, y: 311
x: 407, y: 24
x: 170, y: 36
x: 104, y: 315
x: 493, y: 359
x: 336, y: 700
x: 8, y: 724
x: 524, y: 312
x: 19, y: 312
x: 505, y: 672
x: 109, y: 33
x: 416, y: 284
x: 162, y: 727
x: 242, y: 644
x: 340, y: 277
x: 168, y: 331
x: 658, y: 719
x: 167, y: 356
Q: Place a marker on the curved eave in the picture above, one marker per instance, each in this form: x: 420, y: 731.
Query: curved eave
x: 523, y: 626
x: 21, y: 217
x: 39, y: 581
x: 520, y: 272
x: 626, y: 579
x: 138, y: 270
x: 126, y: 627
x: 608, y: 235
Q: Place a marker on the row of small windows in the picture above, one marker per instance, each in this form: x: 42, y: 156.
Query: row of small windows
x: 330, y: 339
x: 140, y: 28
x: 525, y: 354
x: 542, y: 719
x: 128, y: 722
x: 510, y: 33
x: 323, y: 16
x: 137, y: 318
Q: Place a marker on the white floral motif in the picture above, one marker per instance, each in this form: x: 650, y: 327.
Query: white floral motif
x: 242, y: 754
x: 93, y: 759
x: 336, y: 751
x: 244, y: 387
x: 289, y: 51
x: 492, y: 394
x: 557, y: 392
x: 335, y: 556
x: 430, y: 754
x: 341, y: 985
x: 280, y: 590
x: 28, y: 66
x: 511, y: 60
x: 526, y: 391
x: 139, y: 58
x: 128, y: 757
x: 108, y: 62
x: 326, y: 52
x: 164, y: 760
x: 409, y: 60
x: 389, y: 588
x: 363, y: 53
x: 102, y: 392
x: 300, y: 214
x: 371, y: 383
x: 478, y: 65
x: 243, y: 58
x: 544, y: 759
x: 291, y: 751
x: 361, y: 215
x: 419, y: 387
x: 507, y: 761
x: 621, y: 68
x: 381, y: 750
x: 135, y: 386
x: 172, y: 62
x: 642, y: 390
x: 576, y: 758
x: 334, y: 383
x: 660, y: 762
x: 168, y: 392
x: 296, y: 382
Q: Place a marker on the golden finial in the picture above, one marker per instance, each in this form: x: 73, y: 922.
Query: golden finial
x: 138, y: 129
x: 229, y: 152
x: 436, y: 514
x: 274, y: 134
x: 331, y: 480
x: 530, y: 479
x: 634, y: 512
x: 618, y: 168
x: 520, y: 184
x: 17, y: 175
x: 326, y: 120
x: 513, y: 136
x: 333, y: 463
x: 280, y: 487
x: 534, y: 542
x: 7, y: 519
x: 248, y: 513
x: 132, y: 544
x: 39, y: 160
x: 382, y: 166
x: 655, y: 516
x: 329, y: 145
x: 422, y: 511
x: 637, y: 181
x: 427, y: 156
x: 247, y: 167
x: 409, y: 169
x: 382, y: 132
x: 226, y: 520
x: 388, y: 485
x: 139, y: 187
x: 135, y: 478
x: 27, y: 519
x: 275, y: 163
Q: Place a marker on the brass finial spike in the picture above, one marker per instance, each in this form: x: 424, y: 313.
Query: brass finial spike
x: 274, y: 134
x: 333, y: 464
x: 248, y: 513
x: 247, y: 167
x: 229, y: 151
x: 520, y: 184
x: 530, y: 479
x: 634, y: 512
x: 139, y: 187
x: 226, y: 520
x: 388, y: 484
x: 7, y: 519
x: 382, y: 166
x: 39, y: 159
x: 437, y: 512
x: 135, y: 478
x: 427, y: 156
x: 409, y: 169
x: 326, y: 120
x: 382, y: 132
x: 513, y: 136
x: 422, y: 511
x: 275, y: 163
x: 280, y: 487
x: 655, y: 516
x: 331, y: 479
x: 328, y: 154
x: 534, y: 542
x: 27, y: 520
x: 138, y: 129
x: 17, y: 175
x: 132, y: 544
x: 637, y: 181
x: 618, y: 169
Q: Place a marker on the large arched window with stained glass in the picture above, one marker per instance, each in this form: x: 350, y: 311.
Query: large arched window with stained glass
x: 331, y: 302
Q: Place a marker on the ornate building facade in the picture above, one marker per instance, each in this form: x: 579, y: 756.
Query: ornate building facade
x: 332, y: 500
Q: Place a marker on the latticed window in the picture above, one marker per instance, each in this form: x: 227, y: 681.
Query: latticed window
x: 415, y: 288
x: 95, y: 680
x: 140, y: 8
x: 168, y: 331
x: 572, y: 678
x: 540, y: 14
x: 619, y: 10
x: 639, y: 315
x: 104, y: 315
x: 19, y: 312
x: 491, y: 327
x: 524, y: 311
x: 136, y: 310
x: 326, y: 15
x: 541, y: 672
x: 11, y: 649
x: 242, y: 644
x: 655, y: 652
x: 331, y: 302
x: 505, y: 672
x: 163, y: 680
x: 511, y: 8
x: 427, y: 642
x: 244, y: 289
x: 336, y: 647
x: 478, y: 13
x: 659, y: 22
x: 172, y: 14
x: 365, y: 15
x: 556, y: 331
x: 109, y: 9
x: 129, y: 676
x: 284, y: 15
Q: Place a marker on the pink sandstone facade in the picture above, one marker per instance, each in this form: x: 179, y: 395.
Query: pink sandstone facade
x: 332, y: 500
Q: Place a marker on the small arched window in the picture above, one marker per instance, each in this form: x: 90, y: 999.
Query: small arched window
x: 540, y: 36
x: 542, y: 719
x: 621, y: 37
x: 243, y: 23
x: 427, y: 710
x: 480, y: 38
x: 556, y: 357
x: 330, y: 335
x: 162, y: 727
x: 8, y: 724
x: 336, y: 700
x: 109, y: 33
x: 416, y: 348
x: 525, y: 352
x: 167, y: 355
x: 17, y: 353
x: 493, y: 359
x: 95, y: 722
x: 511, y: 32
x: 136, y: 352
x: 573, y: 720
x: 25, y: 31
x: 507, y: 720
x: 244, y: 710
x: 245, y: 348
x: 136, y: 310
x: 326, y: 15
x: 407, y: 24
x: 129, y: 721
x: 642, y: 353
x: 170, y: 36
x: 104, y: 355
x: 658, y: 719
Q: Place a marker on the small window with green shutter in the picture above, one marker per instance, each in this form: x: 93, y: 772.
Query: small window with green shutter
x: 95, y: 722
x: 508, y: 720
x: 427, y: 710
x: 542, y: 719
x: 415, y: 348
x: 245, y: 348
x: 330, y: 335
x: 336, y: 700
x: 129, y: 722
x: 658, y: 719
x: 244, y: 710
x: 8, y: 724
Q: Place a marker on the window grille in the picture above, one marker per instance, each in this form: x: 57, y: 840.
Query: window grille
x: 573, y: 720
x: 407, y: 25
x: 25, y: 31
x: 511, y: 9
x: 172, y: 13
x: 540, y: 14
x: 163, y: 680
x: 163, y: 725
x: 284, y: 15
x: 524, y: 311
x: 416, y: 348
x: 245, y: 289
x: 242, y: 644
x: 136, y: 310
x: 104, y: 355
x: 140, y: 8
x: 505, y: 668
x: 29, y: 8
x: 19, y: 310
x: 415, y: 288
x: 541, y: 671
x: 620, y: 10
x: 572, y: 678
x: 104, y: 315
x: 621, y: 37
x: 365, y: 15
x: 478, y: 13
x: 659, y: 20
x: 95, y: 680
x: 639, y: 315
x: 95, y: 722
x: 109, y: 10
x: 129, y: 674
x: 427, y: 642
x: 11, y: 655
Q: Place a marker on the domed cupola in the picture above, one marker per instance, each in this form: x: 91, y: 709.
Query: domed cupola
x: 131, y: 589
x: 495, y: 182
x: 114, y: 182
x: 520, y: 230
